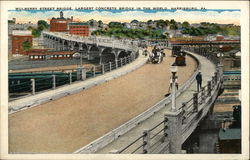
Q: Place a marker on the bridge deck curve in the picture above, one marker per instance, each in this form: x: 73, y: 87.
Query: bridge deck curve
x: 207, y: 70
x: 67, y: 124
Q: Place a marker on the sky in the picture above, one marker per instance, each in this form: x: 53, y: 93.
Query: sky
x: 192, y: 16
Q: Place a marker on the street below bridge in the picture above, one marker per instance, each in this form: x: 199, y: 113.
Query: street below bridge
x: 69, y: 123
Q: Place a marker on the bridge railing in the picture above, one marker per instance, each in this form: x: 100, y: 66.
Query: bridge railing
x: 20, y: 86
x: 150, y: 140
x: 99, y: 41
x: 187, y: 117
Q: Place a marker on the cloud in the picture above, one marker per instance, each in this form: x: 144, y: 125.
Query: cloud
x: 214, y: 16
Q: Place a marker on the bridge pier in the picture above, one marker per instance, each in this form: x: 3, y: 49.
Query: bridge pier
x: 101, y: 49
x: 175, y: 131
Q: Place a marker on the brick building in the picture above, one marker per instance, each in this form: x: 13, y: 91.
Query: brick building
x: 60, y: 24
x: 12, y: 25
x: 81, y: 29
x: 18, y: 38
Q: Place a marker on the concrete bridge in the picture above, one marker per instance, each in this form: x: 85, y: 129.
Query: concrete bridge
x: 91, y: 47
x: 160, y: 129
x: 171, y: 127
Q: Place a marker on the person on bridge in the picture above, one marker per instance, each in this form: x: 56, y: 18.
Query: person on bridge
x: 199, y: 81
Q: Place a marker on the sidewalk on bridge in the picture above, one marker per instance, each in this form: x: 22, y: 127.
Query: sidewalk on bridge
x: 46, y: 96
x: 207, y: 70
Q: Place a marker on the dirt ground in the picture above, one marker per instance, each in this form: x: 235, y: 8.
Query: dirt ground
x: 69, y: 123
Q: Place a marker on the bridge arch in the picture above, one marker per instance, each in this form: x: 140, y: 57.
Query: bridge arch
x: 107, y: 55
x: 123, y: 54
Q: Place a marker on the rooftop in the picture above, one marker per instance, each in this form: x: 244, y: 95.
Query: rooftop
x: 230, y: 134
x: 21, y: 32
x: 78, y: 23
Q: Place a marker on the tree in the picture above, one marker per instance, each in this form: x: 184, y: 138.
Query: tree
x: 172, y: 21
x: 26, y: 45
x: 43, y: 24
x: 161, y: 24
x: 91, y: 22
x: 185, y: 24
x: 36, y: 32
x: 149, y: 21
x: 173, y: 26
x: 30, y: 28
x: 100, y: 23
x: 134, y: 21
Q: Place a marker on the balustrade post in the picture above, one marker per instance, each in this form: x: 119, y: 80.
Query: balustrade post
x: 175, y: 130
x: 70, y: 77
x: 110, y: 66
x: 78, y: 73
x: 215, y: 77
x: 116, y: 63
x: 103, y: 71
x: 146, y: 141
x: 165, y: 131
x: 213, y: 82
x: 183, y: 107
x: 195, y: 102
x: 121, y: 62
x: 54, y: 81
x: 84, y: 76
x: 209, y: 88
x: 94, y: 71
x: 203, y: 96
x: 33, y: 86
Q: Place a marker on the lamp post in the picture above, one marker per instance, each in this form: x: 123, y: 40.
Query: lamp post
x: 220, y: 55
x: 173, y: 70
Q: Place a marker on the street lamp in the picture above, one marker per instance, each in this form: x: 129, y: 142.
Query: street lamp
x: 81, y: 68
x: 220, y: 54
x: 173, y: 70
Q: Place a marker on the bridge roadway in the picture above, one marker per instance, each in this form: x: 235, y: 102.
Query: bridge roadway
x: 69, y: 123
x: 207, y: 70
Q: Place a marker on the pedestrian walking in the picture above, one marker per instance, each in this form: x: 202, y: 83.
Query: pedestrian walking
x: 199, y: 81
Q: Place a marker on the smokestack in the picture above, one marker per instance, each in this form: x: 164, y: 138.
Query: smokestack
x: 14, y: 20
x: 71, y: 18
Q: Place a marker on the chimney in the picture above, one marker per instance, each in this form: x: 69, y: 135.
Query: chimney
x: 71, y: 18
x: 14, y: 20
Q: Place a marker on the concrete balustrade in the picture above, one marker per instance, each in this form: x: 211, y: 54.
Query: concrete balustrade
x: 179, y: 126
x: 33, y: 86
